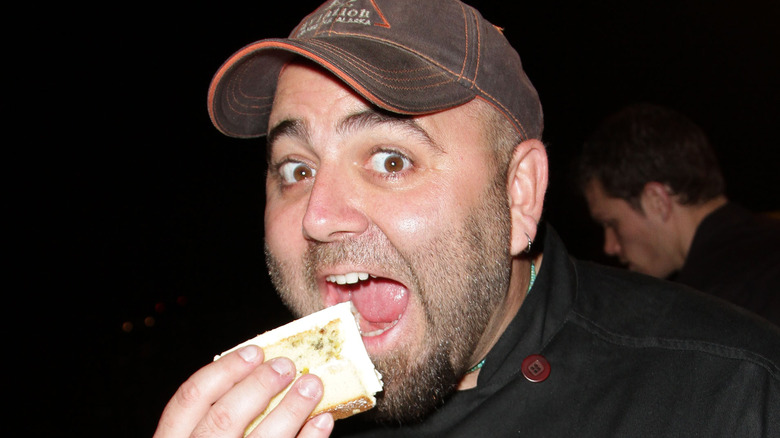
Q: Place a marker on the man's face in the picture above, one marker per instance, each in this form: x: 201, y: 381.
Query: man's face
x: 632, y: 236
x: 404, y: 217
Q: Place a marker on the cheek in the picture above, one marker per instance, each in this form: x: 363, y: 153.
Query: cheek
x: 413, y: 218
x: 627, y: 235
x: 450, y: 193
x: 634, y: 236
x: 404, y: 223
x: 283, y: 231
x: 412, y: 224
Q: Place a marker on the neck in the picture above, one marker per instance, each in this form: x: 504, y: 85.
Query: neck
x: 691, y: 218
x: 505, y: 312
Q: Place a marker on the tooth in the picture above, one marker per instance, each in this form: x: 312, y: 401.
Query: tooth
x: 379, y: 331
x: 349, y: 278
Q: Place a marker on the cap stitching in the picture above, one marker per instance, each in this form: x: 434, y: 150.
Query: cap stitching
x: 507, y: 111
x: 239, y: 81
x: 479, y: 49
x: 379, y: 11
x: 337, y: 51
x: 298, y: 27
x: 237, y: 106
x: 328, y: 27
x: 375, y: 70
x: 240, y: 108
x: 339, y: 72
x: 411, y: 50
x: 466, y: 41
x: 237, y: 90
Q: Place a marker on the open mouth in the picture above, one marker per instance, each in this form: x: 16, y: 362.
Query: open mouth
x: 379, y: 303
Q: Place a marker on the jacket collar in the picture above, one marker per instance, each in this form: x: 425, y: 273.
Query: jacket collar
x: 543, y: 313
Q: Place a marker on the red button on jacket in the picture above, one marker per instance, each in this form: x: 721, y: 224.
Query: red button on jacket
x: 536, y: 368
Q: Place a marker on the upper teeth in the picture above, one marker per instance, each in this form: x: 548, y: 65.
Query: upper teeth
x: 349, y: 278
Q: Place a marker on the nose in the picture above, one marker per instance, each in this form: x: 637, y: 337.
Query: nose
x: 333, y: 211
x: 611, y: 242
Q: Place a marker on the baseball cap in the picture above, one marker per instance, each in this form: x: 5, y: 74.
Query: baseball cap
x: 409, y: 57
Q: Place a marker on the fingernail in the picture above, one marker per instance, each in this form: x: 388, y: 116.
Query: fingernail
x: 282, y: 367
x: 323, y: 421
x: 249, y: 353
x: 309, y: 388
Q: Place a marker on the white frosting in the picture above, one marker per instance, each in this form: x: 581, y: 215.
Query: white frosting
x: 352, y: 348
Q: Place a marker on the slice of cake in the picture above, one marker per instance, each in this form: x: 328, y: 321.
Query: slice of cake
x: 326, y: 343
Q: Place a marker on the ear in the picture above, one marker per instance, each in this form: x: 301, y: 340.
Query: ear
x: 656, y: 201
x: 526, y: 185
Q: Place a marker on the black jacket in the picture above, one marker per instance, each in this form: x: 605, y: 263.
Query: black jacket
x: 624, y: 355
x: 735, y: 255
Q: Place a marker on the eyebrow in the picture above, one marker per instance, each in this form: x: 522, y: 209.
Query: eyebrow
x: 297, y: 128
x: 371, y: 118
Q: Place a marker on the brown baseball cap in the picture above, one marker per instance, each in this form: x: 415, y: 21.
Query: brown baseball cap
x: 407, y: 56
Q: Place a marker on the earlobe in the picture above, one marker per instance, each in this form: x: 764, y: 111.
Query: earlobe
x: 527, y: 179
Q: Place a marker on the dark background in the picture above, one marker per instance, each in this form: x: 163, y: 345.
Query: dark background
x: 129, y: 209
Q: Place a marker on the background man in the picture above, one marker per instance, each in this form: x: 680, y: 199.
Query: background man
x: 652, y: 180
x: 404, y: 142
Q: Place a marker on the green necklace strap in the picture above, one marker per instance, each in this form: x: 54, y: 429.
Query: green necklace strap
x: 476, y: 367
x: 530, y: 285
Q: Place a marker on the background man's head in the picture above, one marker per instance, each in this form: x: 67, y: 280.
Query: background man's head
x: 634, y: 164
x: 649, y: 143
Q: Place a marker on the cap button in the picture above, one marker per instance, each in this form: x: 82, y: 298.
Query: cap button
x: 536, y: 368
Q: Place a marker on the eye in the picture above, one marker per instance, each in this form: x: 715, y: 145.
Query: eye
x: 292, y: 172
x: 389, y: 162
x: 610, y: 225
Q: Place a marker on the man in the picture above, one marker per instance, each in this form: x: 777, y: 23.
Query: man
x: 404, y: 143
x: 652, y: 180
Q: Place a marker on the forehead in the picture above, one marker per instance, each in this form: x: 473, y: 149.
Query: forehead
x: 594, y: 193
x: 602, y: 206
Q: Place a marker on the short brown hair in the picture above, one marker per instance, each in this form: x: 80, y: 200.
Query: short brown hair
x: 649, y: 143
x: 499, y: 133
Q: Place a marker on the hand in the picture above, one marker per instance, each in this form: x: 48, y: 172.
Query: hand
x: 223, y: 397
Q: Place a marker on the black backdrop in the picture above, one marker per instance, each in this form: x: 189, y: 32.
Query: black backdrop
x: 136, y: 228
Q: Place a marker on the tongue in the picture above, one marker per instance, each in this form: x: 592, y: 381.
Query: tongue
x: 380, y: 302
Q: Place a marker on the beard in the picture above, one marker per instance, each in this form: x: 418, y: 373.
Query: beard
x: 460, y: 276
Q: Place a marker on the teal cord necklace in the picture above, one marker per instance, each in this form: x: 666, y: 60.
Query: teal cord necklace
x: 530, y: 285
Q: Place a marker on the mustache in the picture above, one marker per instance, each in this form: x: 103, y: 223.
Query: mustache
x: 367, y: 250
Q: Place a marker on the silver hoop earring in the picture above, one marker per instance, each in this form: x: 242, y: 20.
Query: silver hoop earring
x: 528, y: 248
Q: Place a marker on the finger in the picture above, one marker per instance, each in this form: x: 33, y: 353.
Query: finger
x: 286, y: 419
x: 195, y: 396
x: 318, y: 427
x: 233, y: 412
